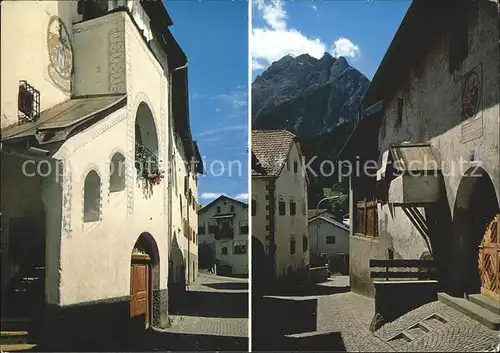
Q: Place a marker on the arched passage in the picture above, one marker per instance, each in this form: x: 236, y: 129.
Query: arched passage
x: 205, y: 257
x: 258, y: 263
x: 475, y: 206
x: 145, y: 308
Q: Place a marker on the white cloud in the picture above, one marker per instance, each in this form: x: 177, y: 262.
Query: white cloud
x: 243, y: 196
x: 220, y: 129
x: 315, y: 8
x: 237, y: 98
x: 211, y: 195
x: 344, y: 47
x: 270, y: 45
x: 275, y: 40
x: 273, y: 13
x: 214, y: 195
x: 257, y: 65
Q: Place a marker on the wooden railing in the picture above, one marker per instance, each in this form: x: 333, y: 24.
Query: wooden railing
x: 410, y: 269
x: 366, y: 220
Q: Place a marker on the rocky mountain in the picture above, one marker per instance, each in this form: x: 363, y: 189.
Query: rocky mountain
x: 316, y: 99
x: 308, y: 96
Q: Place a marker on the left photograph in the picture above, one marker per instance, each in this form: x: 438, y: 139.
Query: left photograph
x: 124, y: 175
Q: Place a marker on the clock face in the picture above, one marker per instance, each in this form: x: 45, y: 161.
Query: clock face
x: 471, y: 95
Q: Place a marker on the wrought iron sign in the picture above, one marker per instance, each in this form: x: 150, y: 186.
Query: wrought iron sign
x: 471, y: 94
x: 28, y: 102
x: 60, y: 54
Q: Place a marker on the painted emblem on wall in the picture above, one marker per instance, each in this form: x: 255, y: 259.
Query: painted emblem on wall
x: 471, y: 95
x: 60, y: 54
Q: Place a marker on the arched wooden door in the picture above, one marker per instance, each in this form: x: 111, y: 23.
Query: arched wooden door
x: 489, y: 260
x: 140, y: 285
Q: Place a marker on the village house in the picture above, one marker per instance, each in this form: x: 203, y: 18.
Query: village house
x: 330, y: 238
x: 98, y: 207
x: 223, y: 237
x: 280, y: 243
x: 430, y: 126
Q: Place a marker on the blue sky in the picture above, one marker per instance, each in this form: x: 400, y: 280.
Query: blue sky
x: 360, y: 30
x: 214, y: 35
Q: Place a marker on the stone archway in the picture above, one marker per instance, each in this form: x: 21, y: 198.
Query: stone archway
x: 146, y: 306
x: 475, y: 206
x: 206, y: 257
x: 258, y: 263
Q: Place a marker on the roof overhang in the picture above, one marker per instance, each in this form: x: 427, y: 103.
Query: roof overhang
x: 413, y: 174
x: 223, y: 216
x: 64, y: 120
x: 418, y: 30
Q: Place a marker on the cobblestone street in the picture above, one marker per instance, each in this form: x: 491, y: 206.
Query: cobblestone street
x: 335, y: 319
x: 214, y: 317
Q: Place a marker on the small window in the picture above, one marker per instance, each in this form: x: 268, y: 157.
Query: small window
x: 390, y: 254
x: 240, y: 249
x: 292, y: 246
x: 232, y: 209
x: 186, y: 183
x: 117, y: 173
x: 400, y: 112
x: 218, y: 209
x: 282, y: 208
x: 244, y: 229
x: 295, y: 167
x: 287, y: 164
x: 194, y: 237
x: 224, y: 250
x: 190, y: 197
x: 305, y: 243
x: 293, y: 208
x: 92, y: 197
x: 330, y: 239
x: 212, y: 226
x: 254, y: 207
x: 201, y: 229
x: 304, y: 211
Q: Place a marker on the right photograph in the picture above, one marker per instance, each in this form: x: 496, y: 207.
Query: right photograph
x: 375, y: 176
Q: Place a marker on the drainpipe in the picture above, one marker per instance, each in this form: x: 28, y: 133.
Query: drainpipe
x: 170, y: 155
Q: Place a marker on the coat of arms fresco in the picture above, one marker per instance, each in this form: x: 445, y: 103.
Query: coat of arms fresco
x: 60, y: 54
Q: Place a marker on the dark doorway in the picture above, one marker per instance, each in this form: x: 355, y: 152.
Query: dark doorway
x: 258, y: 263
x: 206, y: 257
x: 475, y: 206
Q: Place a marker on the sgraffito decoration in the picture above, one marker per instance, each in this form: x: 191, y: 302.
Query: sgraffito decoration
x: 471, y: 94
x: 60, y: 54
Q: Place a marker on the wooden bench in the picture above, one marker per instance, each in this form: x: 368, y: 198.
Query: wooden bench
x: 401, y: 286
x: 403, y: 269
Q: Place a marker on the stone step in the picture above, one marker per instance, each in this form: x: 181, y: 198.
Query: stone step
x: 474, y: 311
x: 13, y: 337
x: 17, y: 347
x: 485, y: 302
x: 16, y: 323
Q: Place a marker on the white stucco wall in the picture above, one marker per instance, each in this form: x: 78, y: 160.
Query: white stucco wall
x: 433, y: 113
x: 319, y: 229
x: 291, y: 186
x: 88, y: 261
x: 24, y: 32
x: 238, y: 262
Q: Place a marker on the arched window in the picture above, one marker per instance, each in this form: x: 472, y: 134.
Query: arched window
x: 92, y: 197
x: 146, y: 142
x: 117, y: 173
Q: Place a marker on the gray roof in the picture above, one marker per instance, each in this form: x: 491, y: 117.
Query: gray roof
x: 58, y: 122
x: 330, y: 220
